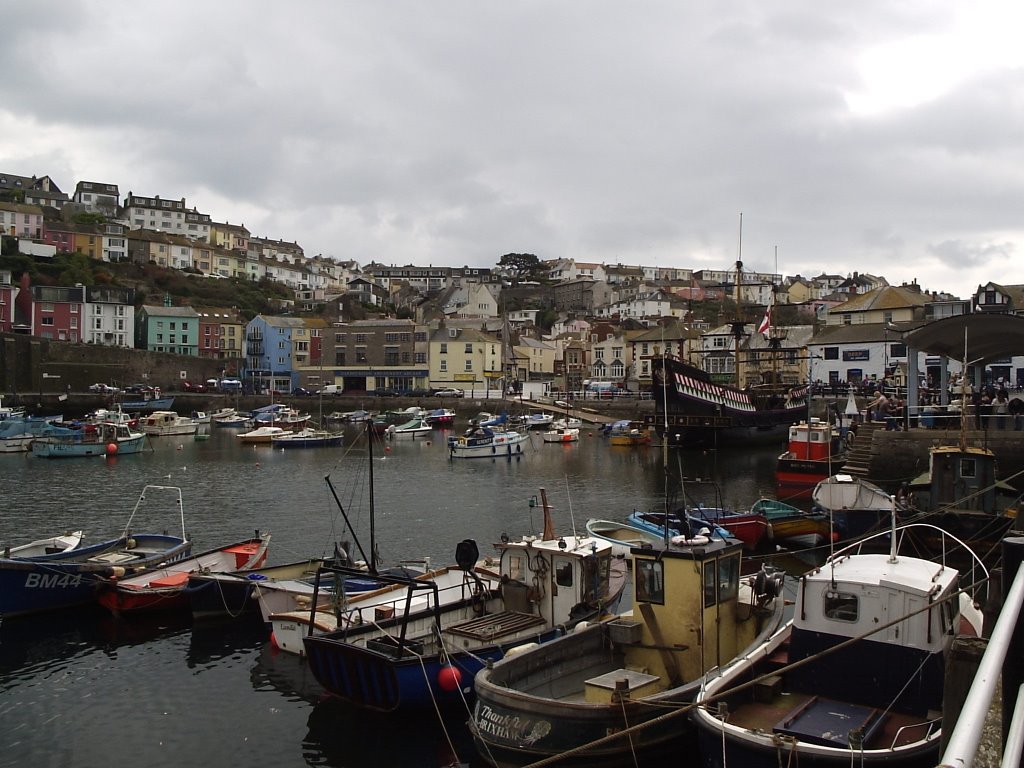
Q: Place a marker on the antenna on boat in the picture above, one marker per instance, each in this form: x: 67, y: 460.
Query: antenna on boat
x: 572, y: 517
x: 892, y: 528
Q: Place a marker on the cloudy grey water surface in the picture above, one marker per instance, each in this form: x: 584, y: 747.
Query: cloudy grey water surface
x: 84, y: 689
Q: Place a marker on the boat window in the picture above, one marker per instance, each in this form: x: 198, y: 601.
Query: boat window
x: 841, y: 606
x: 967, y: 468
x: 728, y: 578
x: 515, y: 567
x: 649, y: 576
x: 563, y: 574
x: 709, y: 584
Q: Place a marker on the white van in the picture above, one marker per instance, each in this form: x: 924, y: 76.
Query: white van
x: 331, y: 389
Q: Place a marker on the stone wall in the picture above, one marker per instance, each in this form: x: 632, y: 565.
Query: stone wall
x: 33, y: 365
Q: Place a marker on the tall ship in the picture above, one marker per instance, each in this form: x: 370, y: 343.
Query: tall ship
x: 692, y: 409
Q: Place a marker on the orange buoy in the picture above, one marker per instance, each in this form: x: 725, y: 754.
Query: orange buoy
x: 111, y: 449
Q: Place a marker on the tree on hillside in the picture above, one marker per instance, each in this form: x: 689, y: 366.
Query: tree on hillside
x: 521, y: 264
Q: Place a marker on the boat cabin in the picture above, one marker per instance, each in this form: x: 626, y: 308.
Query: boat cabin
x: 960, y: 478
x: 682, y: 596
x: 555, y: 577
x: 811, y: 440
x: 851, y: 597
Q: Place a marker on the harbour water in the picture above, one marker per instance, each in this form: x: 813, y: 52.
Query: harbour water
x: 83, y: 689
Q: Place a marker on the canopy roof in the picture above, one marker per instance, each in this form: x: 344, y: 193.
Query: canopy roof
x: 989, y: 336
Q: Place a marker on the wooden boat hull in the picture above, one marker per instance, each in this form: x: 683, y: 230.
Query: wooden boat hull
x: 562, y: 695
x: 693, y: 411
x: 163, y: 588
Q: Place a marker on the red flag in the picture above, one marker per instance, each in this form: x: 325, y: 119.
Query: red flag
x: 766, y: 324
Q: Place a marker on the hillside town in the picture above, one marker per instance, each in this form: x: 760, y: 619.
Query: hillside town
x: 558, y: 324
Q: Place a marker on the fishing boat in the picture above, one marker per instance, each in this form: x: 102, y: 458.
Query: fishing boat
x: 812, y: 454
x: 63, y: 579
x: 167, y: 423
x: 262, y: 435
x: 856, y: 505
x: 626, y: 432
x: 18, y: 432
x: 147, y: 401
x: 51, y: 545
x: 959, y: 494
x: 614, y: 682
x: 491, y: 442
x: 232, y: 594
x: 856, y: 677
x: 232, y: 421
x: 796, y: 528
x: 306, y: 438
x: 110, y: 437
x: 162, y: 588
x: 222, y: 413
x: 749, y: 526
x: 428, y: 655
x: 414, y: 429
x: 655, y: 523
x: 622, y: 536
x: 440, y: 417
x: 537, y: 420
x: 561, y: 435
x: 10, y: 412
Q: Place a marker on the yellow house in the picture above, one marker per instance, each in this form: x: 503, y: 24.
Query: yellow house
x: 465, y: 358
x: 535, y: 359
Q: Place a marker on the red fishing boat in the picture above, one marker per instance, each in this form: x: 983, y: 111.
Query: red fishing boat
x: 163, y: 588
x: 812, y: 455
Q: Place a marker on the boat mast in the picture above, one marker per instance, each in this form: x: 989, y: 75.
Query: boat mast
x: 373, y: 538
x: 737, y: 324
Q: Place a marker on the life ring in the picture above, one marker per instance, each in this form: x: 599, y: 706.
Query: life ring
x: 693, y: 541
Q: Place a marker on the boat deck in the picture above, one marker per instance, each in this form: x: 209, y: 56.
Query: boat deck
x: 814, y: 719
x: 494, y: 626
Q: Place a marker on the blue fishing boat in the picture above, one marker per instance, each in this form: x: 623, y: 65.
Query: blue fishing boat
x: 427, y: 652
x: 108, y: 438
x: 62, y: 579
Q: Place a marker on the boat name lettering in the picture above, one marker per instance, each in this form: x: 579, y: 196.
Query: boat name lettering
x: 52, y: 580
x: 511, y: 728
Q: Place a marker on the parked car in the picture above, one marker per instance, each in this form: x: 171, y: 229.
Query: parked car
x: 385, y: 392
x: 139, y: 389
x: 449, y: 392
x: 106, y: 389
x: 331, y: 389
x: 302, y: 392
x: 192, y: 386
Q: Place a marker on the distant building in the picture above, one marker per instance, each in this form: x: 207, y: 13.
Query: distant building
x: 167, y: 329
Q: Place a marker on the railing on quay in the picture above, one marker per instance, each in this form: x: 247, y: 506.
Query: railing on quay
x: 1005, y: 652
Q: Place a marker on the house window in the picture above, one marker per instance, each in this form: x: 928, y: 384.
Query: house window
x: 831, y: 353
x: 361, y: 354
x: 444, y: 366
x: 847, y: 319
x: 46, y: 321
x: 469, y: 364
x: 469, y: 349
x: 444, y: 348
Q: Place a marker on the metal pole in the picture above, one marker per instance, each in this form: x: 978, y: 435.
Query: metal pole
x: 962, y: 746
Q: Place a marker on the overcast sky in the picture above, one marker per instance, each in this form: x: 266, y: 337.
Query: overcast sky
x: 882, y: 137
